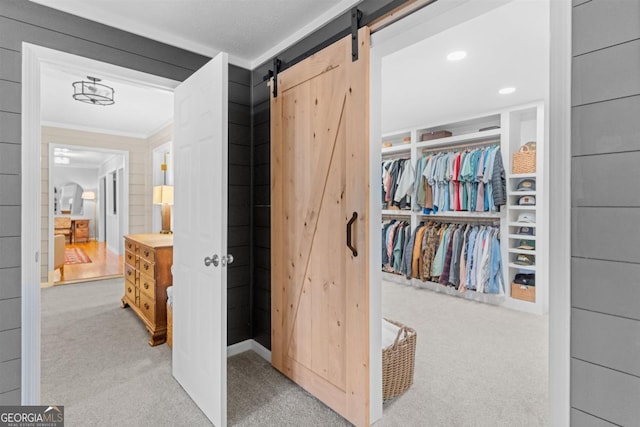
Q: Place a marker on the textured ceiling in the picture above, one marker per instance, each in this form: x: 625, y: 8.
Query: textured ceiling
x: 250, y: 31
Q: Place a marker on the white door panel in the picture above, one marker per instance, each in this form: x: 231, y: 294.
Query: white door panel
x: 200, y: 230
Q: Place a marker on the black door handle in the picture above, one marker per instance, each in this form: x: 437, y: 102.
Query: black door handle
x: 349, y: 243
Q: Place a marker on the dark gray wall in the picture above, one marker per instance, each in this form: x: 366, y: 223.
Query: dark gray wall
x: 239, y: 230
x: 25, y: 21
x: 261, y: 160
x: 605, y: 324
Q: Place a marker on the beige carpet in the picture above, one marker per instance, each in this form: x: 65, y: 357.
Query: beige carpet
x: 476, y: 365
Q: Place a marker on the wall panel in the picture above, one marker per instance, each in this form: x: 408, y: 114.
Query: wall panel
x: 615, y: 20
x: 605, y: 289
x: 606, y: 74
x: 591, y: 127
x: 605, y: 393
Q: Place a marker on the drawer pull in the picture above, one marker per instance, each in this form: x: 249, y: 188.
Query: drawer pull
x: 146, y: 306
x: 129, y: 272
x: 129, y: 289
x: 146, y: 285
x: 146, y: 253
x: 146, y: 266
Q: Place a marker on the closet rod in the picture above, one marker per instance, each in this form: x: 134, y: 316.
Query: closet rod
x: 399, y: 216
x: 455, y: 219
x: 395, y: 156
x: 461, y: 147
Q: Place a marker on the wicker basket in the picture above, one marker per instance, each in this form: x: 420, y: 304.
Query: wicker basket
x: 524, y: 160
x: 398, y: 361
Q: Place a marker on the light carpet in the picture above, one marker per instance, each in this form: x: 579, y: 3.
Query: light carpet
x: 476, y: 365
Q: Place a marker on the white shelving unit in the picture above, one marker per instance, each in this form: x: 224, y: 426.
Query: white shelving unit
x: 510, y: 128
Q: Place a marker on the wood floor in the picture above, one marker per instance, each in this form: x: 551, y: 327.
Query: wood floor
x: 104, y: 263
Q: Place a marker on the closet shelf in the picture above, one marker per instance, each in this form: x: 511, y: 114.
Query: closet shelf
x: 522, y: 224
x: 522, y: 267
x: 462, y: 214
x: 524, y: 208
x: 397, y: 149
x: 521, y: 193
x: 522, y: 251
x: 521, y: 237
x: 522, y: 175
x: 486, y: 135
x: 394, y: 212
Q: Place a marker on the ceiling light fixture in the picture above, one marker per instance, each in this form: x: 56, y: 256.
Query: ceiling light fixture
x: 457, y: 55
x: 506, y: 90
x: 93, y: 92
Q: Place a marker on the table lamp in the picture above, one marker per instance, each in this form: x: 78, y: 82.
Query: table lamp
x: 163, y: 196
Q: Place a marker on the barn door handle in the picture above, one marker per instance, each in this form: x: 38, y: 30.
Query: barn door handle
x: 349, y: 243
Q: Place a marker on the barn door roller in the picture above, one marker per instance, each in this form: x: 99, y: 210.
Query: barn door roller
x: 277, y: 65
x: 356, y: 16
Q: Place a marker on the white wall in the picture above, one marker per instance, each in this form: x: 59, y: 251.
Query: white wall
x: 110, y: 169
x: 160, y: 143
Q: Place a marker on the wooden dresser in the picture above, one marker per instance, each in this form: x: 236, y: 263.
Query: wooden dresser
x: 80, y: 229
x: 147, y: 274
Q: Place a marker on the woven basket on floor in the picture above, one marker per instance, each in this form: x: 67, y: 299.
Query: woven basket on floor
x: 524, y: 160
x: 398, y: 361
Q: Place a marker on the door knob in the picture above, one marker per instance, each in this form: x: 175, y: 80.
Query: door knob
x: 227, y: 259
x: 215, y: 260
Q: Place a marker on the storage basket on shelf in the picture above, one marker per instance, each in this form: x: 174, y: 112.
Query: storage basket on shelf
x: 398, y: 362
x: 524, y: 160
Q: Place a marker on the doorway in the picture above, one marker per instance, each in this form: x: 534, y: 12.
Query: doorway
x: 88, y: 254
x: 115, y: 181
x: 385, y: 44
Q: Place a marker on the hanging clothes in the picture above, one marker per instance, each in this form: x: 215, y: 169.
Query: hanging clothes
x: 468, y: 180
x: 396, y: 183
x: 464, y: 256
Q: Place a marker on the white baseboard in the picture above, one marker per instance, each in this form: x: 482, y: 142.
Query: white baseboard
x: 248, y: 345
x: 261, y: 350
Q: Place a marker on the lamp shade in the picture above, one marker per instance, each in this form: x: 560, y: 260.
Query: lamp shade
x: 88, y: 195
x: 163, y: 195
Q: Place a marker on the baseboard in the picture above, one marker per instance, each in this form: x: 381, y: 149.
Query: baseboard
x: 249, y: 345
x: 261, y: 350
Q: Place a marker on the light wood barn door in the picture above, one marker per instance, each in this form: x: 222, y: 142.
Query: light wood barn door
x: 319, y: 179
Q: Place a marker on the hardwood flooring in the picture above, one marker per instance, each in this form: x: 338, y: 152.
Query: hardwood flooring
x: 104, y: 263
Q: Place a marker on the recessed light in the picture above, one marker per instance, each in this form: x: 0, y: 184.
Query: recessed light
x: 457, y: 55
x: 506, y: 90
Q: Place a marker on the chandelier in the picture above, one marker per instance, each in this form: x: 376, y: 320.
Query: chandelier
x: 93, y: 92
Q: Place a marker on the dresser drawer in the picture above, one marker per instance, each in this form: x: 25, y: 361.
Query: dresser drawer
x: 148, y: 307
x: 132, y: 293
x: 131, y: 274
x: 131, y: 259
x: 131, y: 246
x: 148, y: 286
x: 148, y: 268
x: 147, y: 253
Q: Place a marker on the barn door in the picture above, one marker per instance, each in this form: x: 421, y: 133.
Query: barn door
x: 319, y: 224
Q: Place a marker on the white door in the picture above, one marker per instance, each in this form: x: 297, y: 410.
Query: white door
x: 200, y: 231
